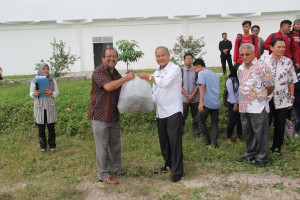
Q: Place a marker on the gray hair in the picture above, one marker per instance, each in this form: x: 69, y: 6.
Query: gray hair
x: 163, y: 47
x: 247, y: 46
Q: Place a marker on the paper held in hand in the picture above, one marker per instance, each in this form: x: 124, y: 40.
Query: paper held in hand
x: 42, y: 83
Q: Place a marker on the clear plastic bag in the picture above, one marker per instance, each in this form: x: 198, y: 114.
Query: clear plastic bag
x: 136, y: 96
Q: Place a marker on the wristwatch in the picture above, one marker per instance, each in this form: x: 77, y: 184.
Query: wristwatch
x: 150, y: 78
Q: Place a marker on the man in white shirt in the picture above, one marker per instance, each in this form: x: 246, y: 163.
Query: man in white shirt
x: 167, y: 81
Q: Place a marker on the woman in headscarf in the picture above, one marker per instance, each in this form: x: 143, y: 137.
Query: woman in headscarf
x: 45, y: 109
x: 232, y: 85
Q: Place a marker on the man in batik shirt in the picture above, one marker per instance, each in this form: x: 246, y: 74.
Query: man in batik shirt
x: 282, y: 98
x: 256, y: 83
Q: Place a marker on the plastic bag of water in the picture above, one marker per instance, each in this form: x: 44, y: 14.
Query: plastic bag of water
x: 135, y: 96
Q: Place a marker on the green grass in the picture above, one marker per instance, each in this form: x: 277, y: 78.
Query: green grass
x: 17, y: 77
x: 26, y: 173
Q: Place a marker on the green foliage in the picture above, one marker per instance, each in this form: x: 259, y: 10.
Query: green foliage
x: 128, y: 52
x: 61, y: 60
x: 187, y: 44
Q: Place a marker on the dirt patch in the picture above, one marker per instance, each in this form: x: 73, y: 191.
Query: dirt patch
x: 232, y: 186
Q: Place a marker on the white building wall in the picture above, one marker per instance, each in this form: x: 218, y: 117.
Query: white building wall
x: 25, y: 38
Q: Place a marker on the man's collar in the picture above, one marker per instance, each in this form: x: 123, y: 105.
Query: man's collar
x: 166, y: 67
x: 282, y: 58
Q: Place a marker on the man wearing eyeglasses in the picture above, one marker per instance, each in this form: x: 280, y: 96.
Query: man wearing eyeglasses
x: 256, y: 83
x: 103, y: 111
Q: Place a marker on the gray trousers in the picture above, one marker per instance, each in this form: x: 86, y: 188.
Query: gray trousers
x: 255, y: 133
x: 108, y: 147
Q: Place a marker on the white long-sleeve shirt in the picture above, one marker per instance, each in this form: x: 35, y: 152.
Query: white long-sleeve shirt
x: 167, y: 91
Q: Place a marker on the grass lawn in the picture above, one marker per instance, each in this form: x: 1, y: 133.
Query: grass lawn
x: 71, y: 172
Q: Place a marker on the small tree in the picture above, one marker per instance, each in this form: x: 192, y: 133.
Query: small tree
x: 127, y: 52
x: 187, y: 44
x: 61, y: 60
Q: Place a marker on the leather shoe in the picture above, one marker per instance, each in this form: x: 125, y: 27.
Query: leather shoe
x: 176, y: 178
x: 260, y: 164
x: 244, y: 159
x: 111, y: 180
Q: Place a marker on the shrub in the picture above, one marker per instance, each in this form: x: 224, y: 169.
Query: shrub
x: 187, y: 44
x: 61, y: 60
x: 128, y: 52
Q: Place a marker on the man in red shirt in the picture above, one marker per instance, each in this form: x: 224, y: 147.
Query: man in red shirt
x: 296, y: 35
x: 244, y: 38
x: 291, y: 46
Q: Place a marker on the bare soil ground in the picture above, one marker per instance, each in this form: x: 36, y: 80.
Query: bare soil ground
x: 233, y: 186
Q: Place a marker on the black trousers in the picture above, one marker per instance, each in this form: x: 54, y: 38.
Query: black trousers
x: 224, y: 58
x: 234, y: 119
x: 42, y: 133
x: 194, y: 111
x: 170, y: 139
x: 214, y: 115
x: 279, y: 124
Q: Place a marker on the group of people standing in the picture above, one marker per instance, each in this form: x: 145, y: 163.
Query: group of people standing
x: 257, y: 91
x: 267, y: 87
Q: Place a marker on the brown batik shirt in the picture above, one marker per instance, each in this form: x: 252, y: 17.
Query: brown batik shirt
x: 103, y: 106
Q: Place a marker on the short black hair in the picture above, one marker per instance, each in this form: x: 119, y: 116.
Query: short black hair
x: 246, y: 22
x: 273, y: 42
x: 289, y: 22
x: 199, y: 61
x: 109, y: 48
x: 255, y: 26
x: 224, y: 34
x: 187, y: 54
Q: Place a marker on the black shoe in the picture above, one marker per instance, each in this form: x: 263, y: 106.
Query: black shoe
x: 259, y: 164
x: 176, y: 178
x: 243, y: 159
x: 206, y: 142
x: 277, y: 152
x: 162, y: 170
x: 215, y: 145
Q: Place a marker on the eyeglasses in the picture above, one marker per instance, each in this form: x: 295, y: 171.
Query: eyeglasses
x: 111, y: 57
x: 245, y: 55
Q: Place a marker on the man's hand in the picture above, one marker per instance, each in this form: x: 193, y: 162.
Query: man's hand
x: 130, y: 76
x: 292, y: 101
x: 189, y: 98
x: 48, y: 92
x: 200, y: 107
x: 235, y: 107
x: 297, y: 66
x: 144, y: 75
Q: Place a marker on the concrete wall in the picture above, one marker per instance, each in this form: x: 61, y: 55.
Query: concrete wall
x: 24, y: 43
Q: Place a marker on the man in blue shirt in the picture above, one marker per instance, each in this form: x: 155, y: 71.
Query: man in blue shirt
x: 209, y: 101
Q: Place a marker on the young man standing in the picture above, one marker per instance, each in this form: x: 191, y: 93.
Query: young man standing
x: 209, y: 102
x: 291, y: 46
x: 225, y: 46
x: 296, y: 109
x: 190, y: 93
x: 244, y: 38
x: 255, y: 31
